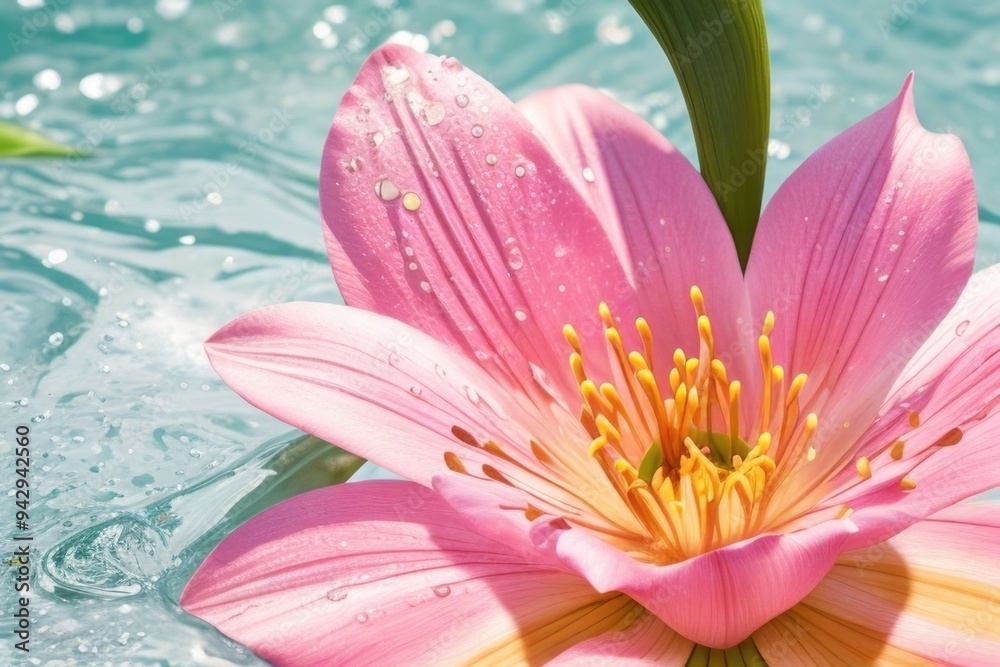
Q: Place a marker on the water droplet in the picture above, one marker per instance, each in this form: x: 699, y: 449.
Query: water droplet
x: 57, y: 256
x: 894, y: 247
x: 477, y: 131
x: 561, y: 251
x: 354, y: 166
x: 377, y: 139
x: 416, y: 391
x: 425, y: 286
x: 104, y: 368
x: 588, y: 175
x: 901, y: 232
x: 442, y: 591
x: 519, y: 171
x: 411, y: 201
x: 481, y: 355
x: 439, y: 371
x: 409, y: 251
x: 434, y: 113
x: 888, y: 199
x: 393, y: 360
x: 195, y: 453
x: 520, y: 315
x: 386, y: 190
x: 394, y: 76
x: 562, y: 288
x: 962, y: 327
x: 337, y: 594
x: 491, y: 159
x: 514, y: 258
x: 462, y: 100
x: 472, y: 394
x: 56, y: 339
x: 412, y: 266
x: 361, y: 618
x: 47, y: 79
x: 884, y: 277
x: 152, y: 226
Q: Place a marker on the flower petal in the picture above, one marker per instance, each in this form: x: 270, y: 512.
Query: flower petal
x: 932, y: 593
x: 860, y: 254
x: 647, y: 642
x: 719, y: 598
x: 444, y: 210
x: 375, y: 387
x: 385, y: 573
x: 952, y: 388
x: 659, y: 214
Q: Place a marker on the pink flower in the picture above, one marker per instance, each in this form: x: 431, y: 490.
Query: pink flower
x: 770, y: 463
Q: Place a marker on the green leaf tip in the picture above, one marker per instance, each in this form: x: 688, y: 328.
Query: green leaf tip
x: 718, y: 50
x: 17, y: 141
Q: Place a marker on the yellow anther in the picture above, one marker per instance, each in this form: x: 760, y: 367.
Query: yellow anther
x: 777, y: 375
x: 844, y: 512
x: 598, y: 404
x: 637, y: 361
x: 907, y: 483
x: 796, y: 388
x: 576, y: 366
x: 914, y: 419
x: 734, y: 410
x: 680, y: 360
x: 690, y: 368
x: 864, y: 467
x: 811, y: 454
x: 675, y: 380
x: 626, y: 468
x: 897, y: 450
x: 719, y: 372
x: 646, y: 335
x: 698, y: 299
x: 606, y: 317
x: 614, y: 339
x: 607, y: 429
x: 705, y: 332
x: 768, y: 323
x: 597, y: 445
x: 569, y: 333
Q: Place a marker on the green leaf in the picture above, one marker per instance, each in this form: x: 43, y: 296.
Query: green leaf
x: 16, y: 141
x: 718, y: 49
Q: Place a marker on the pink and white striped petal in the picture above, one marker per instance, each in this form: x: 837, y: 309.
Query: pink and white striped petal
x: 443, y: 209
x: 860, y: 254
x: 383, y: 572
x: 645, y: 643
x: 929, y: 594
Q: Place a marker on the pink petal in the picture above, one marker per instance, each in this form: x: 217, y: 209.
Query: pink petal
x: 928, y: 594
x: 953, y: 382
x: 719, y: 598
x: 383, y: 572
x: 860, y: 254
x: 647, y: 642
x: 662, y: 220
x: 376, y: 387
x: 490, y: 262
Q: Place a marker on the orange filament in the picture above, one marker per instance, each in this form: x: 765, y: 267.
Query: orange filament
x: 674, y: 444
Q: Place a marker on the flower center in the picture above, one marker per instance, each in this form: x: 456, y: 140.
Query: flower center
x: 676, y: 443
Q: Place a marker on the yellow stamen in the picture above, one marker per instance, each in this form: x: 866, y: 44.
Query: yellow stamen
x: 907, y: 483
x: 864, y: 467
x: 897, y: 450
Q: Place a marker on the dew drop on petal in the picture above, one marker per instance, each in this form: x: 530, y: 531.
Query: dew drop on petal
x: 477, y: 131
x: 337, y: 594
x: 56, y: 339
x: 962, y: 327
x: 409, y: 251
x: 491, y: 159
x: 425, y: 286
x: 472, y: 394
x: 386, y: 190
x: 412, y: 266
x: 377, y: 139
x: 442, y: 591
x: 434, y: 113
x: 588, y: 175
x: 520, y: 315
x: 519, y: 171
x: 462, y: 100
x: 411, y: 201
x: 515, y: 260
x: 361, y: 618
x: 884, y: 277
x: 894, y: 247
x: 416, y: 391
x: 440, y: 371
x: 57, y: 256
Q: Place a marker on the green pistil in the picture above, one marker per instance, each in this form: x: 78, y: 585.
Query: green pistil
x: 743, y: 655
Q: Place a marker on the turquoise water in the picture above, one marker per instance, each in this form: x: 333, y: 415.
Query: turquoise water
x: 206, y: 122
